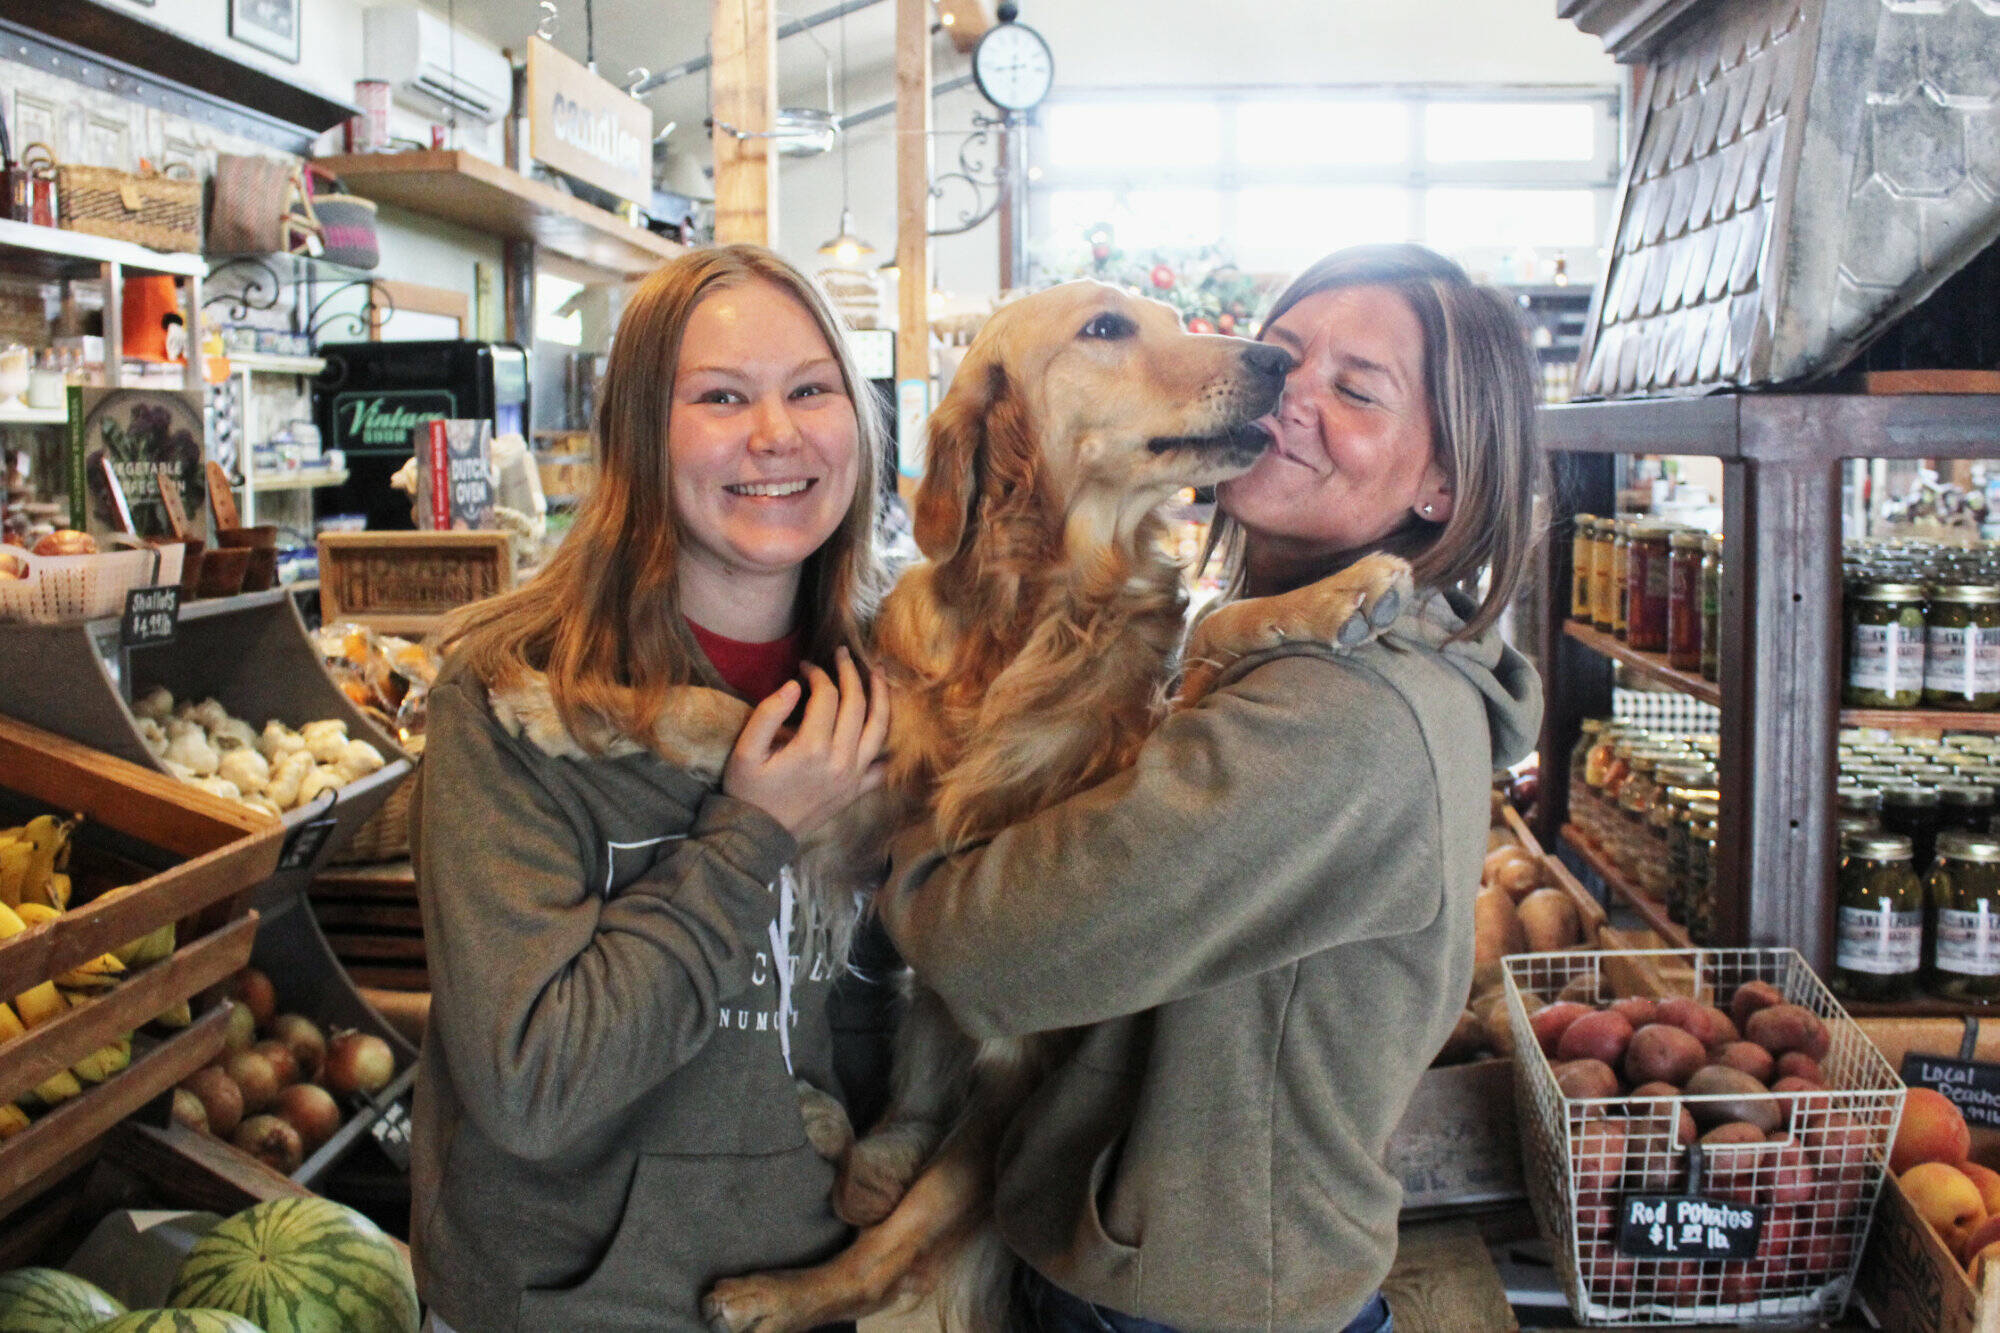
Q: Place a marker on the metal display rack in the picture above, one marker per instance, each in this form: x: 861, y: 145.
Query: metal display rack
x: 1780, y: 625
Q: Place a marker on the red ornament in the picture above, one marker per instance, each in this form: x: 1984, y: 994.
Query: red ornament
x: 1163, y: 277
x: 1226, y: 322
x: 1200, y: 325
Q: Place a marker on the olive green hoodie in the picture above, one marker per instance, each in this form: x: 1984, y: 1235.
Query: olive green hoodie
x: 605, y: 1121
x: 1265, y: 927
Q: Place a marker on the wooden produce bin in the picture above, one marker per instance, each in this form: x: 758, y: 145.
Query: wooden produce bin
x: 1908, y: 1279
x: 205, y: 855
x: 406, y: 582
x: 1458, y: 1145
x: 252, y: 653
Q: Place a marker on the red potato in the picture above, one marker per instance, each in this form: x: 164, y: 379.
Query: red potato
x: 1586, y: 1080
x: 1551, y: 1022
x: 1662, y: 1053
x: 1599, y: 1160
x: 1789, y: 1027
x: 1684, y: 1130
x: 1598, y: 1036
x: 1747, y: 1056
x: 1691, y: 1016
x: 1797, y: 1064
x: 1637, y: 1010
x: 1750, y: 997
x: 1722, y: 1095
x: 1722, y: 1025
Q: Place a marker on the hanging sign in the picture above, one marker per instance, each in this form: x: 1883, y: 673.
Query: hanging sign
x: 586, y: 126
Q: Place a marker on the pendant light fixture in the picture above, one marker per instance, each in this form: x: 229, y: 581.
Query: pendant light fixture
x: 845, y: 247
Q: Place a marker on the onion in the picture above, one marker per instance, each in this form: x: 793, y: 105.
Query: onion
x: 311, y: 1110
x: 66, y: 541
x: 254, y: 1075
x: 283, y: 1063
x: 220, y: 1098
x: 358, y: 1062
x: 189, y: 1110
x: 304, y: 1037
x: 272, y: 1142
x: 255, y: 989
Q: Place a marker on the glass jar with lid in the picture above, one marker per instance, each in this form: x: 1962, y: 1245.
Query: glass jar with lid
x: 1885, y: 646
x: 1684, y: 553
x: 1579, y: 759
x: 1582, y: 556
x: 1678, y: 785
x: 1711, y: 608
x: 1963, y: 891
x: 1915, y: 812
x: 1879, y: 935
x: 1962, y: 647
x: 1700, y: 921
x: 1621, y: 573
x: 1603, y: 564
x: 1966, y: 806
x: 1648, y: 586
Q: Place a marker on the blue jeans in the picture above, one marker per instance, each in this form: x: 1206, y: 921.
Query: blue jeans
x: 1042, y: 1307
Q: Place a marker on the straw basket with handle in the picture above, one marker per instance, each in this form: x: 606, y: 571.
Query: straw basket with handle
x: 150, y: 208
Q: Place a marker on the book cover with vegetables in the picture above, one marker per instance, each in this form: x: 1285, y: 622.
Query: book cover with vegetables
x: 126, y: 435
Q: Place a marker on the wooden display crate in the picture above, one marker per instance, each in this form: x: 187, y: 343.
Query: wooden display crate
x: 205, y: 855
x: 405, y: 582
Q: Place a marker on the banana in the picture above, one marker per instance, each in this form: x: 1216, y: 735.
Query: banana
x: 11, y: 1025
x: 99, y: 974
x: 55, y: 891
x: 49, y: 837
x: 34, y: 914
x: 58, y: 1088
x: 12, y: 1120
x: 179, y: 1016
x: 105, y: 1061
x: 14, y: 858
x: 148, y: 948
x: 38, y: 1004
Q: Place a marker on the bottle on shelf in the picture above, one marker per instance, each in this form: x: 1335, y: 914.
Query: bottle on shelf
x: 1684, y: 609
x: 1647, y: 587
x: 1582, y: 556
x: 1963, y: 891
x: 1885, y: 646
x: 1879, y: 938
x: 1962, y: 647
x: 1711, y: 608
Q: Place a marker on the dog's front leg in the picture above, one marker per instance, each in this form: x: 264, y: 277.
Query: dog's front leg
x: 929, y: 1082
x: 1344, y: 610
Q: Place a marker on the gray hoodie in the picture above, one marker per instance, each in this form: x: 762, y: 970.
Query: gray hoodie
x: 1264, y: 929
x: 605, y: 1115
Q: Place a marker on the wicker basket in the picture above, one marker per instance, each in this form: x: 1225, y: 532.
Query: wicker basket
x: 160, y: 212
x: 386, y: 834
x: 83, y: 587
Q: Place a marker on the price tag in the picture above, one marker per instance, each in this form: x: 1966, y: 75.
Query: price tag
x: 392, y: 1132
x: 1972, y: 1085
x: 302, y: 844
x: 151, y: 616
x: 1688, y: 1226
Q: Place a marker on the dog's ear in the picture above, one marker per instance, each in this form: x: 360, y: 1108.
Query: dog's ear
x: 957, y: 435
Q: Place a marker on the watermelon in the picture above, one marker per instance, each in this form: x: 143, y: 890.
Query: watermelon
x: 301, y: 1265
x: 178, y: 1321
x: 48, y: 1300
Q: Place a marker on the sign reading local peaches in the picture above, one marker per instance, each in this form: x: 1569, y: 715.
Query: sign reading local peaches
x: 586, y: 126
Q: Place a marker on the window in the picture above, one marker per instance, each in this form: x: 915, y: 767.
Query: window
x: 1510, y: 131
x: 1141, y: 219
x: 1300, y: 130
x: 1133, y: 134
x: 1461, y: 219
x: 1282, y: 228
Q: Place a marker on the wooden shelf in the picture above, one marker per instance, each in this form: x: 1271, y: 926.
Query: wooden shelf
x: 1923, y: 1006
x: 275, y: 364
x: 1920, y: 719
x: 1648, y: 908
x: 305, y: 479
x: 21, y: 415
x: 487, y: 197
x: 1653, y: 666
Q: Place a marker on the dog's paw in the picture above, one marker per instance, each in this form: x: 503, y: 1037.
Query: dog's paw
x: 1371, y: 592
x: 828, y: 1129
x: 874, y: 1177
x: 756, y: 1304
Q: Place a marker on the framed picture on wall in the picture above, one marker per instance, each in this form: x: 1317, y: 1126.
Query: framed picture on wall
x: 268, y: 25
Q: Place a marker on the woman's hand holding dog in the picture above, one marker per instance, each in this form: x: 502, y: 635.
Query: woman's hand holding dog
x: 805, y: 778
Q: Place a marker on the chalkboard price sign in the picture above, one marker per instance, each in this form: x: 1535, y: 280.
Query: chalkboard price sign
x: 151, y: 616
x: 1667, y: 1226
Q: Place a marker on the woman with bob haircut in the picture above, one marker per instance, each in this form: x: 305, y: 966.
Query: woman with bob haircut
x: 1263, y: 929
x: 626, y: 977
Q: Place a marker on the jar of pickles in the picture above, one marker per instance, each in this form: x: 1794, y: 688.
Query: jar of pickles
x: 1684, y: 553
x: 1885, y: 646
x: 1962, y: 647
x: 1700, y: 895
x: 1916, y: 813
x: 1603, y: 563
x: 1711, y: 608
x: 1963, y: 889
x: 1647, y: 585
x: 1582, y: 557
x: 1879, y: 936
x: 1966, y: 806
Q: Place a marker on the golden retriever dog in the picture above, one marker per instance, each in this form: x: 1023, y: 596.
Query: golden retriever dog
x: 1028, y: 656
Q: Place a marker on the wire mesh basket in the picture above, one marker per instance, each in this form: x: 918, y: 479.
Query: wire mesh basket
x: 82, y: 587
x: 1817, y: 1176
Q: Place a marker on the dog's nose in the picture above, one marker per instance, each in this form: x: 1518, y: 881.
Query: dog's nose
x: 1268, y: 360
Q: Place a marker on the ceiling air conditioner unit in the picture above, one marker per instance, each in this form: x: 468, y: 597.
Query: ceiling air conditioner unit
x: 432, y: 67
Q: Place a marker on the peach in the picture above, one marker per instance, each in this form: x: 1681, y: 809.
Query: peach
x: 1985, y: 1234
x: 1988, y: 1181
x: 1933, y: 1130
x: 1945, y: 1197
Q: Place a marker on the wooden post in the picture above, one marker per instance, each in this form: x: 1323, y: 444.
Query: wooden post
x: 745, y: 84
x: 913, y: 197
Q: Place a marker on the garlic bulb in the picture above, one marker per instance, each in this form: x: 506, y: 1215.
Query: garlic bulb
x: 278, y: 741
x: 317, y: 783
x: 234, y: 734
x: 153, y: 736
x: 286, y: 777
x: 191, y: 748
x: 264, y: 805
x: 326, y: 746
x: 210, y: 714
x: 246, y: 768
x: 325, y: 726
x: 217, y: 787
x: 177, y: 727
x: 181, y: 771
x: 157, y: 704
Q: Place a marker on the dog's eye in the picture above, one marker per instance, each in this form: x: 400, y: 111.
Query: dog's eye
x: 1109, y: 327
